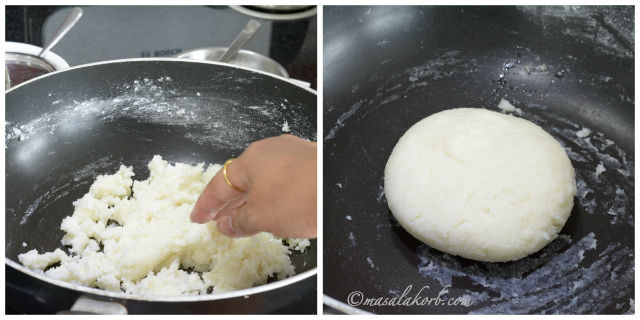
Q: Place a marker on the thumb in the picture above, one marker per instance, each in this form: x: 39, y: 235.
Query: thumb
x: 239, y: 223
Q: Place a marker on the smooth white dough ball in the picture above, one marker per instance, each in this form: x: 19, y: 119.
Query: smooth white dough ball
x: 480, y: 184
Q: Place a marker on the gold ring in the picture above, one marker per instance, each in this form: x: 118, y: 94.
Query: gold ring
x: 224, y: 173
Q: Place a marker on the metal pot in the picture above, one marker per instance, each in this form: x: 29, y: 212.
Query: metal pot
x: 23, y: 63
x: 66, y: 127
x: 244, y: 58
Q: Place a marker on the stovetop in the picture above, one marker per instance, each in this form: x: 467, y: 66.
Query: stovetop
x: 118, y: 32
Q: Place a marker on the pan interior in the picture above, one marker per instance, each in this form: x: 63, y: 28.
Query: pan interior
x: 88, y: 121
x: 428, y: 59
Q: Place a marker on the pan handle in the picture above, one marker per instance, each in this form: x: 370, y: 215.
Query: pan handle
x: 86, y: 305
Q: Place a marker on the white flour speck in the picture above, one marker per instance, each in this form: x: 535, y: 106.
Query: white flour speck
x: 352, y: 238
x: 600, y: 169
x: 370, y: 262
x: 583, y: 133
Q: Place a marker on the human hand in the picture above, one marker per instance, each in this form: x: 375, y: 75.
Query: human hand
x: 277, y: 181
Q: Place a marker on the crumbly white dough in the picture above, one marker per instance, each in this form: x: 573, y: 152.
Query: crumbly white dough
x: 480, y: 184
x: 298, y: 244
x: 148, y: 240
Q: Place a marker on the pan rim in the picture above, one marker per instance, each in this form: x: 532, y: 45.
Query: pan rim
x: 205, y: 297
x: 341, y: 306
x: 222, y: 64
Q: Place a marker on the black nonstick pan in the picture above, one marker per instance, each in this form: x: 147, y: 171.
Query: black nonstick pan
x: 569, y: 70
x: 66, y: 128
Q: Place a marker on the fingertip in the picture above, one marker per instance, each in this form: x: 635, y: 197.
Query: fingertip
x: 196, y: 216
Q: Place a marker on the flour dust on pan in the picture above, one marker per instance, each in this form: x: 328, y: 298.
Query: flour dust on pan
x: 157, y: 101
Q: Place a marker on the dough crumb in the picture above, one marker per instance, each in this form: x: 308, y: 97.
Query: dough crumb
x: 506, y: 107
x: 542, y: 68
x: 285, y: 126
x: 298, y: 244
x: 24, y: 244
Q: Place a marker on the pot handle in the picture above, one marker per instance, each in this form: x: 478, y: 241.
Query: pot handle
x: 86, y: 305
